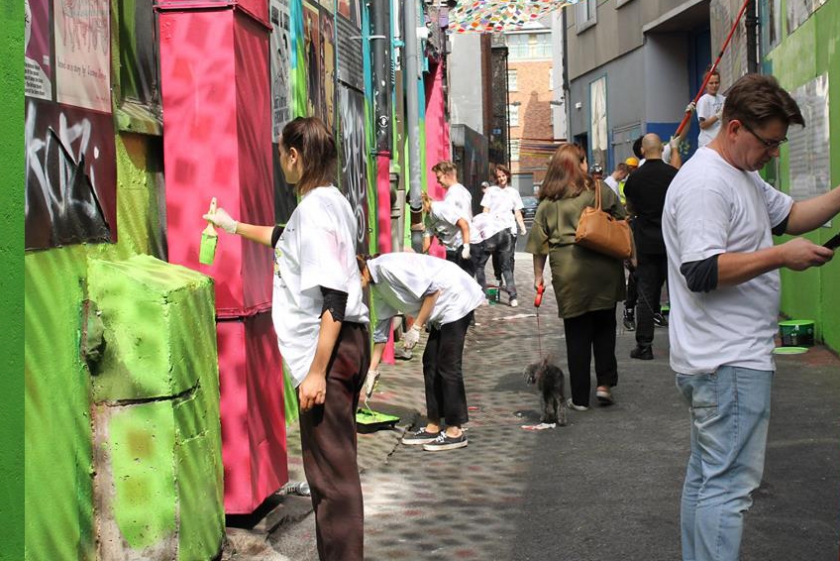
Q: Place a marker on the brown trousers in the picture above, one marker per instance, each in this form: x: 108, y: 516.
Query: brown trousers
x: 328, y: 440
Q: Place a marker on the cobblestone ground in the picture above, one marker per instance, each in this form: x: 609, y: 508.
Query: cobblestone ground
x: 605, y: 487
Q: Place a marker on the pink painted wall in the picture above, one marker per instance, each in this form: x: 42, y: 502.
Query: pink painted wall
x: 218, y: 143
x: 437, y: 138
x: 383, y: 221
x: 216, y: 101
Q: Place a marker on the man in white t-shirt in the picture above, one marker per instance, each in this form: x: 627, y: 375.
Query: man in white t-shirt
x: 718, y: 222
x: 456, y: 194
x: 709, y: 109
x: 617, y: 176
x: 452, y: 228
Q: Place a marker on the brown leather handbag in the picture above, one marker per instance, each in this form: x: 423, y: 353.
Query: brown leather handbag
x: 602, y: 232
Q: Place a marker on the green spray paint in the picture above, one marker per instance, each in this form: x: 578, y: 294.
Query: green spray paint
x: 12, y: 285
x: 813, y: 49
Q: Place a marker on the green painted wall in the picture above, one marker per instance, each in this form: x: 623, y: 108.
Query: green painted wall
x: 59, y: 464
x: 11, y: 283
x: 810, y: 51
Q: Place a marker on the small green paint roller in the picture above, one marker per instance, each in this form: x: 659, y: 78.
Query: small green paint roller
x: 209, y: 239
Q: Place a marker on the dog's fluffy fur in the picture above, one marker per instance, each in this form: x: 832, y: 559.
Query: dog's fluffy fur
x: 549, y: 380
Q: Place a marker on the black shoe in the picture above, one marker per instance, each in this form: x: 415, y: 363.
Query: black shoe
x: 446, y: 442
x: 629, y: 320
x: 659, y: 320
x: 642, y: 352
x: 421, y: 436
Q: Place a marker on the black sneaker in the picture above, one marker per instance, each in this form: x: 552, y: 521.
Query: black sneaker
x: 421, y: 436
x: 445, y: 442
x: 629, y: 320
x: 659, y: 320
x: 642, y: 352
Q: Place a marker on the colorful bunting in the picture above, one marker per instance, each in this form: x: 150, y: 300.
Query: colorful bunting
x: 494, y: 16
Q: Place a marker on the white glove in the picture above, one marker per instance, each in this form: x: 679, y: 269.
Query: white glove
x: 221, y: 219
x: 411, y: 337
x: 691, y: 107
x: 719, y: 114
x: 370, y: 382
x: 465, y: 252
x: 674, y: 143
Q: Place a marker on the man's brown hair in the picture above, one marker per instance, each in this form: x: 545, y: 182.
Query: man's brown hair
x: 756, y: 99
x: 444, y: 167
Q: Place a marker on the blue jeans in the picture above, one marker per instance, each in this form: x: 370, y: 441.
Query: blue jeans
x: 730, y: 413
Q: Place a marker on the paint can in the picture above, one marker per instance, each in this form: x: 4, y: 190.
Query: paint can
x: 493, y: 294
x: 797, y: 333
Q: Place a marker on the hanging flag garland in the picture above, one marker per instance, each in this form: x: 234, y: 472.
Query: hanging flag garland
x: 494, y: 16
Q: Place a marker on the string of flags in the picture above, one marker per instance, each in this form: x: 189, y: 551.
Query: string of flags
x: 495, y: 16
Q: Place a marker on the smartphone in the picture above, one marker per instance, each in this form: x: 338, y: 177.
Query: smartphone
x: 833, y: 243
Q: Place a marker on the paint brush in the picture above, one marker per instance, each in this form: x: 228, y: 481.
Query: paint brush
x: 209, y: 239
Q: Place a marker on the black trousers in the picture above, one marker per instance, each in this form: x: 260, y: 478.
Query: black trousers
x: 446, y: 397
x: 328, y: 440
x: 632, y: 292
x: 500, y: 243
x: 651, y: 274
x: 588, y: 334
x: 454, y: 255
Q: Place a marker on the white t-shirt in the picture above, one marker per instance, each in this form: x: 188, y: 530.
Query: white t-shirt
x: 317, y: 249
x: 713, y: 208
x: 485, y: 225
x: 708, y: 106
x: 612, y: 184
x: 442, y: 222
x: 400, y: 280
x: 503, y: 202
x: 458, y: 196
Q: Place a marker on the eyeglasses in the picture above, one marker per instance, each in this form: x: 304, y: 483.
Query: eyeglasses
x: 769, y: 144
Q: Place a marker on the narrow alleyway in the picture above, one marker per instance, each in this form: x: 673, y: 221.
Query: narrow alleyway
x: 605, y: 487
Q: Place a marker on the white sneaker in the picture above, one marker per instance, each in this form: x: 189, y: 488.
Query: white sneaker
x: 514, y: 303
x: 572, y: 405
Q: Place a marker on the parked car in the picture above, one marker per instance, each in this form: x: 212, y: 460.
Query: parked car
x: 530, y: 209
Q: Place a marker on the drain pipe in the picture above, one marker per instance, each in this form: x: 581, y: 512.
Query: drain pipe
x: 412, y: 75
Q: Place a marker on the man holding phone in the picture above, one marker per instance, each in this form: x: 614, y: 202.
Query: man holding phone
x: 725, y: 287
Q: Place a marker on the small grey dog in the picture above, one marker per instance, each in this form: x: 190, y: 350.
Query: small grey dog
x: 549, y: 379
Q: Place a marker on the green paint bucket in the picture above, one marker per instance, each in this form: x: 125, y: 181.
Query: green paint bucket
x: 666, y: 309
x: 797, y: 333
x: 790, y: 351
x: 493, y: 294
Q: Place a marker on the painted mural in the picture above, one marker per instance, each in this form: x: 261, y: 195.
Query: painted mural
x: 328, y: 69
x: 312, y: 56
x: 353, y: 157
x: 281, y: 44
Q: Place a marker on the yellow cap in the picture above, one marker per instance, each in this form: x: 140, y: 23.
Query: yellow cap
x: 632, y: 162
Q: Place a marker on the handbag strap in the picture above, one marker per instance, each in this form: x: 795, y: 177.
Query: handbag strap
x: 597, y: 195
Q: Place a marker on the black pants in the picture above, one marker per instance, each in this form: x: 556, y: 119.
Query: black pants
x: 632, y: 292
x: 328, y: 440
x: 454, y: 255
x: 446, y: 397
x: 651, y: 274
x: 500, y: 243
x: 591, y: 333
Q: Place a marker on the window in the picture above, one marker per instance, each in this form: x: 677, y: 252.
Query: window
x: 514, y: 150
x: 620, y: 3
x: 529, y: 46
x: 598, y: 120
x: 513, y: 85
x: 585, y: 15
x: 550, y: 78
x: 513, y: 113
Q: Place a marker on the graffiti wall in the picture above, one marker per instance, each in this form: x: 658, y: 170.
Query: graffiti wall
x: 70, y: 187
x: 353, y: 157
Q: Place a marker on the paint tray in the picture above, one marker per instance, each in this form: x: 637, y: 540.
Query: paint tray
x: 368, y: 420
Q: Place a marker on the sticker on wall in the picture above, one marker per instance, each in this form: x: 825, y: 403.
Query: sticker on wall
x: 493, y: 16
x: 37, y: 62
x: 281, y: 64
x: 83, y: 53
x: 70, y: 176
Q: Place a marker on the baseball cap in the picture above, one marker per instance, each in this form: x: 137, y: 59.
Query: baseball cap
x: 632, y: 162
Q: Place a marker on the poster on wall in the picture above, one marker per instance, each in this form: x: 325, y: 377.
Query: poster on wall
x: 83, y: 53
x: 70, y: 176
x: 312, y: 56
x: 281, y: 64
x: 328, y: 69
x: 810, y: 172
x: 37, y: 61
x: 352, y: 155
